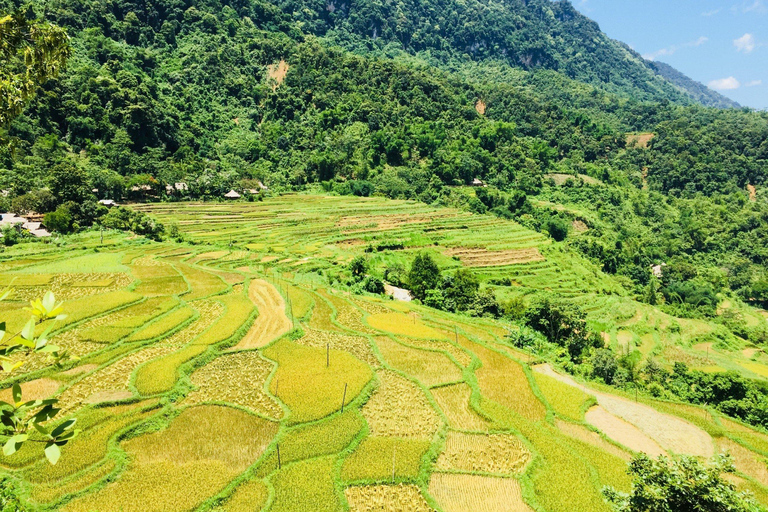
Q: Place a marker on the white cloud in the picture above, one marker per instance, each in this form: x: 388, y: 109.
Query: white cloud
x: 754, y: 83
x: 755, y: 6
x: 711, y: 13
x: 674, y: 48
x: 745, y: 43
x: 724, y: 84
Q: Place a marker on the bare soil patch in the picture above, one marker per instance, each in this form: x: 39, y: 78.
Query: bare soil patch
x: 640, y: 140
x: 277, y: 73
x: 478, y: 257
x: 623, y: 432
x: 668, y: 432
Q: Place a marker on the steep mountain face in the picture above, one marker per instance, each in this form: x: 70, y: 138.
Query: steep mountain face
x: 694, y: 89
x: 528, y: 34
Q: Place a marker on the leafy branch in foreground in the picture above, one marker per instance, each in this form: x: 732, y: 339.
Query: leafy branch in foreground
x: 21, y: 420
x: 32, y: 53
x: 681, y: 485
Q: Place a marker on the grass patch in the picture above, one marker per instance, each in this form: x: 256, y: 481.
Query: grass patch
x: 85, y: 264
x: 567, y: 401
x: 301, y: 302
x: 309, y: 388
x: 201, y: 283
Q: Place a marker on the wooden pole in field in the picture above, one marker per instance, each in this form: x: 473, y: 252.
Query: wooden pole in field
x: 394, y: 453
x: 277, y: 383
x: 456, y: 332
x: 344, y: 398
x: 279, y: 463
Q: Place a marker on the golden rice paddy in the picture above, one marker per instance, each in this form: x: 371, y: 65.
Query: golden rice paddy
x: 500, y: 454
x: 399, y: 408
x: 461, y: 493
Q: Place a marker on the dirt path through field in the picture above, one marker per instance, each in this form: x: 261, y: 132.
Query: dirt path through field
x: 272, y: 321
x: 668, y: 432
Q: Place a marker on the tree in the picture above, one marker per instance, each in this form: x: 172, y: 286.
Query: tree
x: 69, y: 182
x: 424, y: 275
x: 32, y: 52
x: 563, y: 323
x: 60, y: 220
x: 681, y: 485
x: 358, y: 267
x: 20, y: 421
x: 460, y: 289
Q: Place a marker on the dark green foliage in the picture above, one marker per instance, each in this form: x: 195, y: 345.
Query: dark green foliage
x: 68, y: 183
x: 131, y: 220
x: 9, y: 496
x: 604, y: 365
x: 423, y: 276
x: 557, y: 227
x: 459, y: 290
x: 563, y: 324
x: 681, y: 485
x: 373, y: 284
x: 60, y: 220
x: 358, y: 267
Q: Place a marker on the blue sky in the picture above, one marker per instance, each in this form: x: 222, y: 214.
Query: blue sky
x: 720, y: 43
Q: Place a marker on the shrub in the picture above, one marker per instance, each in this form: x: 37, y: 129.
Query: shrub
x: 683, y: 484
x: 557, y: 228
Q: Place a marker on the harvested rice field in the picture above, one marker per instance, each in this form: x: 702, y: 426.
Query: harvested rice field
x: 208, y: 377
x: 461, y: 493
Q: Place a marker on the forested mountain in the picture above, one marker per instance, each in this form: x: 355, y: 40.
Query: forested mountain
x: 404, y: 100
x: 696, y: 90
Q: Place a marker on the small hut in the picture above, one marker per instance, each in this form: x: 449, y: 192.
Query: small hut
x: 477, y: 182
x: 232, y: 195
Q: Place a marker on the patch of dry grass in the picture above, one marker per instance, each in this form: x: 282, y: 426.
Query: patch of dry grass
x: 746, y: 461
x: 358, y: 346
x: 399, y: 408
x: 623, y: 432
x: 37, y: 389
x: 585, y: 435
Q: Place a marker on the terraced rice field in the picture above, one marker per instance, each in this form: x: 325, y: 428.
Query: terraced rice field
x: 218, y: 378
